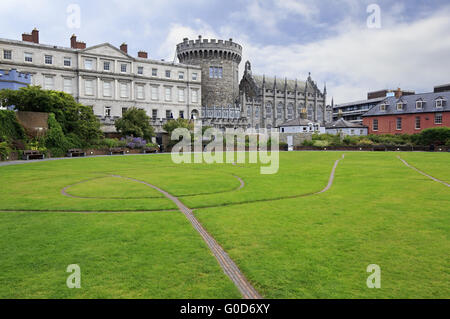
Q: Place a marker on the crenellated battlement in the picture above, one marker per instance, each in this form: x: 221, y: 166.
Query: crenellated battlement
x: 207, y: 48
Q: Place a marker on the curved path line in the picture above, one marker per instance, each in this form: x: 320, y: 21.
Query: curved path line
x: 423, y: 173
x: 227, y: 264
x: 64, y: 190
x: 327, y: 188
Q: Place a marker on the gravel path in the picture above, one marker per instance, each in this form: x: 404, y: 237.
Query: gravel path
x: 423, y: 173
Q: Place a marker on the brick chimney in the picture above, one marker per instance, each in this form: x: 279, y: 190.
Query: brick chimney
x: 74, y: 44
x: 143, y: 54
x: 398, y: 93
x: 33, y: 37
x: 124, y: 48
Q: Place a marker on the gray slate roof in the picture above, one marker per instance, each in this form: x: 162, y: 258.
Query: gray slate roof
x: 341, y: 123
x: 409, y: 106
x: 296, y: 122
x: 379, y: 99
x: 280, y: 84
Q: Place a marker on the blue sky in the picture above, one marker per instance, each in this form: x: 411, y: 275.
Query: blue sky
x: 286, y: 38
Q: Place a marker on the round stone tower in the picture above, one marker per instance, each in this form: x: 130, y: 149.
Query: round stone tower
x: 219, y: 61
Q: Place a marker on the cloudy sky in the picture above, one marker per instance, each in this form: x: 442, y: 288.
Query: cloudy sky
x: 287, y: 38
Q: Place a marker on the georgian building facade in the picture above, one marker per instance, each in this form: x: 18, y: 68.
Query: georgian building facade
x: 107, y: 78
x: 270, y: 102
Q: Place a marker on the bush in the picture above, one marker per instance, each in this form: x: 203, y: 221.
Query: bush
x: 55, y: 140
x: 364, y: 142
x: 136, y: 123
x: 434, y: 136
x: 10, y: 129
x: 134, y: 142
x: 4, y: 151
x: 321, y: 143
x: 308, y: 143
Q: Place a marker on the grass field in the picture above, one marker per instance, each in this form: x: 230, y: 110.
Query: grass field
x: 132, y: 242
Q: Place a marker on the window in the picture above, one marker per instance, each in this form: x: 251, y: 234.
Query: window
x: 257, y: 111
x: 180, y: 75
x: 290, y: 113
x: 48, y: 59
x: 375, y: 125
x: 194, y: 96
x: 140, y: 92
x: 88, y: 64
x: 7, y: 54
x: 140, y: 70
x: 439, y: 103
x: 169, y: 114
x: 419, y: 105
x: 167, y: 73
x: 123, y: 90
x: 180, y: 95
x: 106, y: 66
x: 154, y: 114
x: 89, y: 87
x: 49, y: 82
x: 383, y: 107
x: 154, y: 72
x: 107, y: 111
x: 168, y: 94
x: 154, y: 93
x: 279, y: 112
x: 194, y: 76
x: 215, y: 72
x: 67, y: 62
x: 182, y: 114
x: 107, y: 89
x: 28, y: 57
x: 438, y: 118
x: 399, y: 124
x: 68, y: 86
x: 400, y: 106
x: 123, y: 68
x: 417, y: 122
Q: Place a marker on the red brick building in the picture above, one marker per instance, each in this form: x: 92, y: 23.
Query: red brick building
x: 409, y: 114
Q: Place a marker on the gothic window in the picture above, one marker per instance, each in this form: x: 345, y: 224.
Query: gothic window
x: 257, y: 111
x: 290, y: 112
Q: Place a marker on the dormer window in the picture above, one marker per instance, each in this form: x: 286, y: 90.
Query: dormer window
x: 383, y: 107
x: 440, y: 103
x: 400, y: 106
x: 419, y: 104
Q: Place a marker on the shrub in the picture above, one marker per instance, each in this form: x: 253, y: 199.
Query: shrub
x: 308, y: 143
x: 134, y: 142
x: 364, y: 142
x: 55, y: 140
x: 4, y: 151
x: 321, y: 143
x: 436, y: 136
x: 135, y: 122
x: 10, y: 129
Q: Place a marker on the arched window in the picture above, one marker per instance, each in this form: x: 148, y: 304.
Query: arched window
x: 257, y: 111
x: 290, y: 112
x: 280, y: 111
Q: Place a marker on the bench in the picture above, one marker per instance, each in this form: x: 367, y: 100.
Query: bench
x: 149, y: 150
x: 32, y: 155
x: 76, y: 153
x: 116, y: 150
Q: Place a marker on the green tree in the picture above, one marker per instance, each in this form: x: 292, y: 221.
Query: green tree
x: 135, y: 122
x: 172, y: 125
x: 73, y: 117
x: 436, y: 136
x: 55, y: 140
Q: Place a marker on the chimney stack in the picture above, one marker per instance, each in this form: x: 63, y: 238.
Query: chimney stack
x: 124, y: 48
x: 143, y: 54
x: 74, y: 44
x: 398, y: 93
x: 33, y: 37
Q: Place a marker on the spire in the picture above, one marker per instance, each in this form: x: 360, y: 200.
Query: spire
x: 285, y: 83
x: 296, y: 84
x: 325, y: 89
x: 275, y: 83
x: 332, y: 101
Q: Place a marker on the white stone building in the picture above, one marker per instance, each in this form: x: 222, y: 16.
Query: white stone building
x: 346, y: 128
x: 108, y: 78
x: 301, y: 125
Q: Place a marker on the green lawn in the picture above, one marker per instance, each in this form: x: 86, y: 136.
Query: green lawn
x: 287, y: 244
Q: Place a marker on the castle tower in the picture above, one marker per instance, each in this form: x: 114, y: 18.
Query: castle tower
x: 219, y: 61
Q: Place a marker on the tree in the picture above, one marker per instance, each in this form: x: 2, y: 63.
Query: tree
x: 73, y: 117
x: 135, y: 122
x: 172, y: 125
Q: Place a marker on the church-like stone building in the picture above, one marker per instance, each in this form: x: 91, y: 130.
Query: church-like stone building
x: 269, y: 102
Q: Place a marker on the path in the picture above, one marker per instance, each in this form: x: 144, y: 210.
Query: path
x: 423, y: 173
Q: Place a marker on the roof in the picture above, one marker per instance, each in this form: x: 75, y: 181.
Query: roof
x: 371, y: 101
x: 296, y: 122
x: 280, y: 83
x: 409, y: 104
x: 341, y: 123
